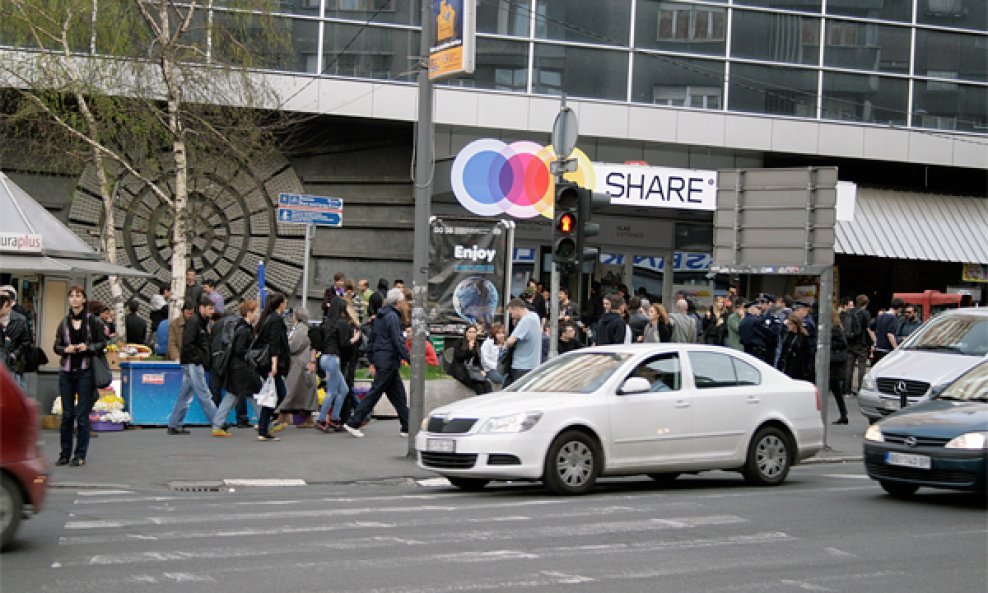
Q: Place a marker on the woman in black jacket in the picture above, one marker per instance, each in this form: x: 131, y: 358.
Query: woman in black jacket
x: 338, y: 338
x: 79, y: 338
x: 466, y: 355
x: 273, y: 334
x: 240, y: 380
x: 838, y: 364
x: 796, y: 358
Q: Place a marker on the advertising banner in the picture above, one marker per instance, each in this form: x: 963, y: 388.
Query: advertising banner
x: 454, y: 30
x: 468, y: 262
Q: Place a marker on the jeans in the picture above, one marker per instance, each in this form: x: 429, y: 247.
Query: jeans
x: 336, y: 387
x: 386, y: 381
x: 226, y: 404
x: 495, y: 377
x: 514, y: 375
x: 20, y: 380
x: 837, y: 374
x: 855, y: 360
x: 193, y: 382
x: 75, y: 414
x: 264, y: 418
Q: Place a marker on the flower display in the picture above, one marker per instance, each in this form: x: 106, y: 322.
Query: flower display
x: 110, y: 408
x: 56, y: 407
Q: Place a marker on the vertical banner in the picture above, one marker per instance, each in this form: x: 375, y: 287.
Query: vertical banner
x: 452, y: 50
x: 467, y: 262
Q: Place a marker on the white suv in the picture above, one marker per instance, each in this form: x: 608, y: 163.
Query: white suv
x: 935, y: 354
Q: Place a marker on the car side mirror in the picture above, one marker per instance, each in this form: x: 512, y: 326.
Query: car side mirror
x: 635, y: 385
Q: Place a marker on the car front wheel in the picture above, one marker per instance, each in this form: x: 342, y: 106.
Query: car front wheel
x: 572, y: 464
x: 898, y: 489
x: 768, y: 458
x: 11, y: 508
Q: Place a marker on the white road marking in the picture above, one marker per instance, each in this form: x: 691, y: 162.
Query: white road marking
x: 837, y: 552
x: 567, y: 579
x: 102, y: 492
x: 847, y: 476
x: 264, y: 482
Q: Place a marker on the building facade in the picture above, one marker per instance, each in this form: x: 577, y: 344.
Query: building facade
x: 892, y: 92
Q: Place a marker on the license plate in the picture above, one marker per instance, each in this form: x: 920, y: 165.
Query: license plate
x: 440, y: 445
x: 906, y: 460
x: 891, y: 404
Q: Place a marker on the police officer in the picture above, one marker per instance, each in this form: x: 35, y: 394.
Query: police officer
x: 752, y: 339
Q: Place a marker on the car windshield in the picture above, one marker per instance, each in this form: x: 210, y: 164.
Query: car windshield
x: 576, y: 372
x: 961, y: 334
x: 972, y: 385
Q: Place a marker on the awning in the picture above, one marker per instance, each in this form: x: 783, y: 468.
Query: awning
x: 903, y: 225
x: 43, y: 264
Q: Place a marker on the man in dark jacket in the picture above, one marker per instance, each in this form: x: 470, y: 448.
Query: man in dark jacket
x: 16, y: 337
x: 135, y: 327
x: 386, y: 350
x: 611, y: 329
x: 194, y: 359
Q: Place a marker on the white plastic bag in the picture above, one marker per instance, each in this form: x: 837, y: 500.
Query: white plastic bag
x: 267, y: 397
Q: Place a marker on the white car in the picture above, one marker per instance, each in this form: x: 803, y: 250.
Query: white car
x: 655, y: 409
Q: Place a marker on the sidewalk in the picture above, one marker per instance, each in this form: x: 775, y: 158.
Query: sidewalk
x: 149, y: 459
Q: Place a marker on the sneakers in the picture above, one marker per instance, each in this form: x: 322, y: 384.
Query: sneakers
x: 354, y: 432
x: 62, y: 461
x: 322, y: 425
x: 278, y: 427
x: 221, y: 432
x: 178, y: 431
x: 77, y: 461
x: 403, y: 434
x: 267, y: 437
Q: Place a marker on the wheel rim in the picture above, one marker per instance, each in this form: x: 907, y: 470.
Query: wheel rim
x: 6, y: 509
x: 574, y: 464
x: 771, y: 456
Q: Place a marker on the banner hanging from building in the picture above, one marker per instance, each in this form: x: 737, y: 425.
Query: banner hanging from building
x: 452, y: 51
x: 974, y: 273
x: 468, y: 263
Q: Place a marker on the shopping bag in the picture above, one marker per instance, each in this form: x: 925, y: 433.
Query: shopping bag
x: 267, y: 397
x: 101, y: 371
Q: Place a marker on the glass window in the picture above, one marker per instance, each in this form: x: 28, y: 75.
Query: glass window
x: 747, y: 374
x: 963, y: 14
x: 854, y: 97
x: 682, y: 82
x: 946, y: 105
x: 503, y: 17
x: 772, y: 89
x: 972, y: 385
x: 564, y: 69
x: 712, y: 369
x: 963, y: 55
x: 264, y: 42
x: 370, y: 52
x: 676, y: 26
x: 377, y: 11
x: 800, y: 5
x: 889, y: 10
x: 954, y: 334
x: 501, y: 65
x: 776, y: 37
x: 866, y: 46
x: 661, y: 371
x: 576, y: 372
x: 586, y: 21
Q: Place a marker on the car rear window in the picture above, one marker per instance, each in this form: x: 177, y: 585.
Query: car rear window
x: 713, y: 369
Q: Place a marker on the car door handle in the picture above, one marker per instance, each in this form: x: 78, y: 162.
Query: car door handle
x: 752, y: 399
x: 681, y: 404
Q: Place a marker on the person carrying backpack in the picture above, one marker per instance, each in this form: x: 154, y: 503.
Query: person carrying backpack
x: 860, y: 341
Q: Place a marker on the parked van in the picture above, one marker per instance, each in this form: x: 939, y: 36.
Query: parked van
x: 938, y: 352
x: 934, y: 301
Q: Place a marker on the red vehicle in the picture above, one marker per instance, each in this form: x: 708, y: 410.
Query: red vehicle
x: 23, y: 471
x: 934, y: 301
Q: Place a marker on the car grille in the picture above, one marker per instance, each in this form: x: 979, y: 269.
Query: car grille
x: 881, y: 471
x: 502, y: 459
x: 449, y: 460
x: 900, y: 439
x: 913, y: 388
x: 438, y: 424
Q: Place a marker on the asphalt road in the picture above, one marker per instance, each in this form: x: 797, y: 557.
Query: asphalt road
x: 828, y: 529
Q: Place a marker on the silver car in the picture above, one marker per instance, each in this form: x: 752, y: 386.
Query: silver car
x: 938, y: 352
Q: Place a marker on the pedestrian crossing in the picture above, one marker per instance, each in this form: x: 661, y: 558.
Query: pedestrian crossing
x: 410, y: 540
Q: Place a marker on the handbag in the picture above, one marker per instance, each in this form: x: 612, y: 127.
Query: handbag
x: 476, y: 373
x: 256, y: 357
x: 267, y: 397
x: 505, y: 360
x: 101, y: 371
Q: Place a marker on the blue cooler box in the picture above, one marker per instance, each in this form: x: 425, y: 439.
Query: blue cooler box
x: 150, y: 390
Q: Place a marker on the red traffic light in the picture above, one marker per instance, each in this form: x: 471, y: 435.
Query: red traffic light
x: 566, y: 223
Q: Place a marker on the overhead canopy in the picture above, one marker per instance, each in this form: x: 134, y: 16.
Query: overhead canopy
x: 902, y: 225
x: 61, y: 251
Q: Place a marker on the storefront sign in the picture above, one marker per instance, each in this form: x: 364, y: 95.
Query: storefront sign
x: 467, y: 265
x: 153, y: 379
x: 20, y: 243
x: 657, y: 187
x: 974, y: 273
x: 453, y: 38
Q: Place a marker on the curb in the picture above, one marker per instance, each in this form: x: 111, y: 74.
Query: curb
x: 823, y: 460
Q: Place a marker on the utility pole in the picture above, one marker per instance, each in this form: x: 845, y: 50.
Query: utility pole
x: 420, y: 249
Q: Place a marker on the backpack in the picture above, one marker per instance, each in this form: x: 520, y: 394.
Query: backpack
x: 852, y: 326
x: 221, y: 356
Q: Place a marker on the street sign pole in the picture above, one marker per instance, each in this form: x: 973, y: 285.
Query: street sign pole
x: 564, y: 135
x: 305, y: 264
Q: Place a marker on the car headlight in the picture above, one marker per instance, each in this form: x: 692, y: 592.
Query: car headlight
x: 514, y: 423
x: 425, y: 423
x: 970, y: 440
x: 874, y: 434
x: 868, y: 382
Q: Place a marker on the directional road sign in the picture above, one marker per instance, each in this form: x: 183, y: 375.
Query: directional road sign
x: 305, y: 209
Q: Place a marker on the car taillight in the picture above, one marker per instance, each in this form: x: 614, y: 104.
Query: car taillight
x: 817, y: 390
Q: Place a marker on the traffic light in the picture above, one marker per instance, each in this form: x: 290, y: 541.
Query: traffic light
x: 566, y: 224
x: 589, y: 202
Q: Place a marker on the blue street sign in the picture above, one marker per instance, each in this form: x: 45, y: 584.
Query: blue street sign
x: 305, y: 209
